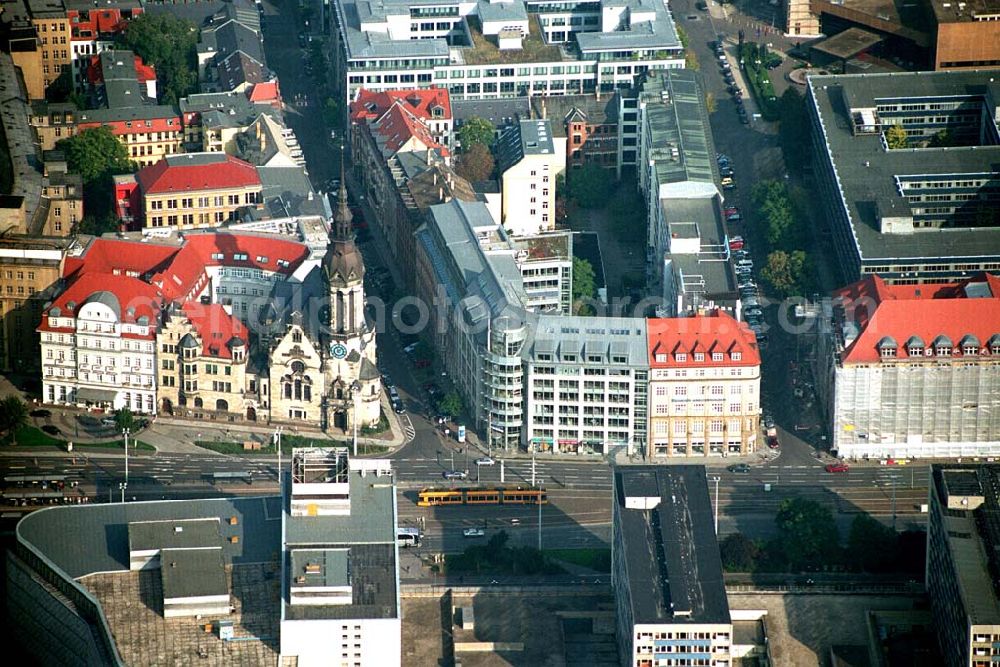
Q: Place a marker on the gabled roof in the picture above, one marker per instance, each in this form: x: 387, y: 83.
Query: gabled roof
x: 130, y: 298
x: 219, y: 331
x: 189, y: 172
x: 717, y: 332
x: 118, y: 258
x: 922, y: 315
x: 398, y: 125
x: 369, y: 105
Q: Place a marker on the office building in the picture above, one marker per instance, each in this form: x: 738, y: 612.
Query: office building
x: 340, y: 601
x: 913, y: 371
x: 963, y: 558
x: 925, y: 211
x: 529, y: 160
x: 704, y: 386
x: 666, y: 573
x: 492, y: 49
x: 189, y: 191
x: 585, y: 385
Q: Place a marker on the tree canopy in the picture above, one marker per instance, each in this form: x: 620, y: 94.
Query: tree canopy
x: 13, y: 415
x: 475, y: 163
x: 451, y: 404
x: 794, y: 135
x: 872, y: 545
x: 96, y: 154
x: 786, y: 272
x: 584, y: 281
x: 476, y: 130
x: 169, y: 44
x: 739, y: 553
x: 895, y: 137
x: 124, y: 419
x: 806, y: 532
x: 590, y: 186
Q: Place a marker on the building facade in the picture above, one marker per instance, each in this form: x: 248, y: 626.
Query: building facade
x: 922, y: 212
x: 53, y: 122
x: 666, y: 572
x: 529, y: 159
x: 585, y: 385
x: 962, y: 539
x: 573, y: 48
x: 61, y: 204
x: 29, y: 269
x: 589, y: 124
x: 704, y: 387
x: 193, y: 190
x: 913, y: 371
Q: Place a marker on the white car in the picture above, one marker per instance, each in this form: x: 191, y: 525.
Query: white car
x: 485, y: 461
x: 473, y: 532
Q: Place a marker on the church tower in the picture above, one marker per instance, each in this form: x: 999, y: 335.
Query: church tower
x: 352, y: 377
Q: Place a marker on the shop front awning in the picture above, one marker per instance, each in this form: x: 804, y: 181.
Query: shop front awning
x: 92, y: 395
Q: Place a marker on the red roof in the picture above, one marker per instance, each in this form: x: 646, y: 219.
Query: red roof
x: 99, y: 21
x: 118, y: 257
x: 131, y: 297
x: 397, y: 126
x: 143, y: 71
x: 187, y: 268
x: 216, y: 328
x: 266, y: 91
x: 190, y: 172
x: 369, y: 105
x: 901, y: 316
x: 669, y: 338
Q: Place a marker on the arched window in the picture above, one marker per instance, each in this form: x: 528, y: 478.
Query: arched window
x: 288, y: 389
x: 197, y: 403
x: 221, y: 405
x: 298, y: 389
x: 298, y: 367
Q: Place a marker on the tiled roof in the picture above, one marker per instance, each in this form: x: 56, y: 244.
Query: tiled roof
x: 901, y: 316
x: 398, y: 125
x: 369, y: 105
x: 266, y: 91
x: 117, y: 257
x: 130, y: 297
x: 196, y: 171
x: 219, y: 331
x: 709, y: 334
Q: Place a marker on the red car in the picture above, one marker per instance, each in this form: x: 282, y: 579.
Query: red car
x: 732, y: 210
x: 772, y: 441
x: 736, y: 244
x: 837, y: 467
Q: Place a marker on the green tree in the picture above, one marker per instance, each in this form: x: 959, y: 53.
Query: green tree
x: 475, y: 163
x: 942, y: 139
x: 13, y: 416
x: 476, y: 130
x: 584, y: 281
x: 451, y: 404
x: 785, y: 272
x: 590, y: 186
x: 895, y: 137
x: 169, y: 44
x: 794, y: 134
x: 124, y: 419
x: 331, y: 113
x: 96, y: 154
x: 872, y: 544
x: 807, y: 534
x: 739, y: 553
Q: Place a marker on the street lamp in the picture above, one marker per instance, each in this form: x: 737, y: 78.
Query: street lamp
x: 124, y: 485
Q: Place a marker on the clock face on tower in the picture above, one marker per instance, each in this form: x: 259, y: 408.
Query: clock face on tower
x: 338, y: 351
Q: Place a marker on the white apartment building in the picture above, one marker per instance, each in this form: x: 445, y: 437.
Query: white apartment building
x: 704, y: 386
x: 501, y: 48
x: 340, y: 574
x: 529, y: 158
x: 586, y: 380
x: 98, y: 343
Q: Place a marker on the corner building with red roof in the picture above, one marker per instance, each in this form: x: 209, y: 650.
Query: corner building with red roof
x: 912, y: 371
x: 704, y: 386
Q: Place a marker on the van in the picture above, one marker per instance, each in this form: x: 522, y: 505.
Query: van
x: 727, y: 180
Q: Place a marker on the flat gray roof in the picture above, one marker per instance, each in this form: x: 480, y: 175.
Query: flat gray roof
x: 333, y: 565
x: 193, y: 573
x: 183, y: 534
x: 372, y: 569
x: 85, y: 539
x: 370, y: 520
x: 605, y: 336
x: 678, y: 119
x: 527, y: 137
x: 867, y: 173
x: 671, y: 553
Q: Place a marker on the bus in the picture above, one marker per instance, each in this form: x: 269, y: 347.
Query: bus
x: 408, y: 537
x: 511, y: 495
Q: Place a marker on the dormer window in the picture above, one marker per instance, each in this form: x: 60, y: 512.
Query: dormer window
x: 994, y: 344
x: 716, y: 356
x: 970, y: 350
x: 970, y: 345
x: 699, y: 356
x: 737, y: 356
x: 887, y: 352
x: 682, y: 357
x: 915, y: 351
x: 661, y: 358
x: 943, y: 351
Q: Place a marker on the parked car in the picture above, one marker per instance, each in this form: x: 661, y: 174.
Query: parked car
x: 398, y: 407
x: 473, y: 532
x: 837, y: 467
x: 726, y: 171
x: 108, y: 421
x: 736, y: 245
x: 734, y: 217
x: 454, y: 474
x: 51, y: 429
x: 739, y: 468
x: 485, y: 461
x: 730, y: 210
x: 772, y: 442
x: 410, y: 348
